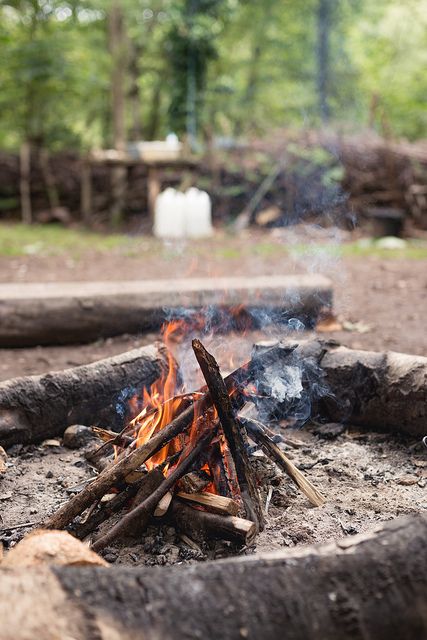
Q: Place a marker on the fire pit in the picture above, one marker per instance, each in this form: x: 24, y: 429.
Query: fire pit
x: 226, y: 468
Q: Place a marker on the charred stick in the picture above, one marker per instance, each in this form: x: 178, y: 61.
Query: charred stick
x: 232, y: 431
x: 141, y: 514
x: 201, y: 525
x: 257, y: 432
x: 102, y: 514
x: 218, y: 470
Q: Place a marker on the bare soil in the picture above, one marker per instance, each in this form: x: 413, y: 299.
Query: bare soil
x: 367, y: 477
x: 383, y: 299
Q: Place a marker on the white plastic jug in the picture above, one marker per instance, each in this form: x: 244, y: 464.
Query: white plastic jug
x: 169, y: 213
x: 198, y: 214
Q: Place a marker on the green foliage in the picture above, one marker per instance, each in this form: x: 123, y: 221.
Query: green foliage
x: 229, y: 67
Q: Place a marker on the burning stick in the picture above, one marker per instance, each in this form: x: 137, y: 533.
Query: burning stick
x: 233, y: 434
x: 257, y: 432
x: 143, y: 511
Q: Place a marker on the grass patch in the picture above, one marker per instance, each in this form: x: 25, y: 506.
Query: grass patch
x: 414, y: 250
x: 20, y: 240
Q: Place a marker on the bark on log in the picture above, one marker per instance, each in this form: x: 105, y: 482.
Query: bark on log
x: 368, y: 587
x: 379, y: 390
x: 70, y: 312
x: 38, y: 407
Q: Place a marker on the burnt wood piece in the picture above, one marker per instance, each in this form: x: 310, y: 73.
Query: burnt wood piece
x: 258, y: 433
x: 371, y: 586
x: 140, y: 515
x: 194, y: 482
x: 233, y: 433
x: 201, y: 525
x: 211, y: 502
x: 127, y: 463
x: 37, y: 407
x: 74, y: 312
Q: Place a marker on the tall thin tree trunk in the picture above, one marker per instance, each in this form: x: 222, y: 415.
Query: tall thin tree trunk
x: 154, y: 115
x: 24, y: 183
x: 117, y: 42
x: 134, y: 93
x: 251, y: 89
x: 324, y: 23
x: 49, y: 179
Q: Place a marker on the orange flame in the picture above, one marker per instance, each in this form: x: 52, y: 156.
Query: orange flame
x: 161, y: 405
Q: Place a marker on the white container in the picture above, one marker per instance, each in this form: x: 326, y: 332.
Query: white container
x: 169, y: 214
x: 198, y: 214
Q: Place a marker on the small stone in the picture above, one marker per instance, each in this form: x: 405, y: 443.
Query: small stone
x: 15, y: 449
x: 329, y: 431
x: 110, y: 557
x: 49, y: 474
x: 77, y: 436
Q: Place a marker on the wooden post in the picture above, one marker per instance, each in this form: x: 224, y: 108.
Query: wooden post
x: 86, y: 192
x: 118, y: 48
x: 24, y: 184
x: 154, y: 185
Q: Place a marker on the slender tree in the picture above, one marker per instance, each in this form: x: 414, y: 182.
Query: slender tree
x: 324, y: 26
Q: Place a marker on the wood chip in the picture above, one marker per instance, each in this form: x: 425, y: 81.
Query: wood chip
x: 3, y: 460
x: 51, y: 442
x: 408, y: 480
x: 163, y: 505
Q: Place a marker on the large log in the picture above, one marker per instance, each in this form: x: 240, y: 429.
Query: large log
x: 380, y: 390
x: 383, y: 390
x: 69, y: 312
x: 37, y: 407
x: 366, y: 587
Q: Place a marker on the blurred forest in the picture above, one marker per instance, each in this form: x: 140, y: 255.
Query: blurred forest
x: 203, y: 68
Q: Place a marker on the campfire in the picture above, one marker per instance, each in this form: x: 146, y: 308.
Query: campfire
x: 187, y: 455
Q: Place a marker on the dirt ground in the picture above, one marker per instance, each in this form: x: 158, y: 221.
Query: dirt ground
x: 366, y: 477
x: 382, y: 298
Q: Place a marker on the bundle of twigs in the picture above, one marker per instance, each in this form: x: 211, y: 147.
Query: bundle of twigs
x: 211, y: 411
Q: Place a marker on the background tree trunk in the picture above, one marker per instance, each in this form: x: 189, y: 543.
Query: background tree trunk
x: 25, y: 184
x: 324, y: 24
x: 118, y: 46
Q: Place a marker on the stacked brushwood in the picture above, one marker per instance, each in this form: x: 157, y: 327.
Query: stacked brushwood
x: 382, y: 173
